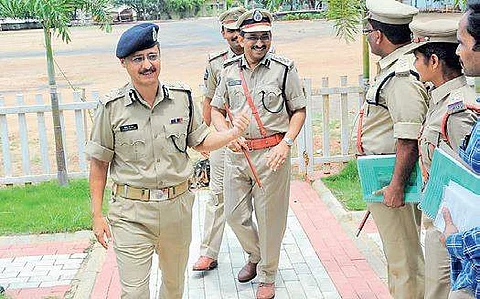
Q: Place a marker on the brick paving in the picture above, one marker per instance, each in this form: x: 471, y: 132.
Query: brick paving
x: 318, y: 260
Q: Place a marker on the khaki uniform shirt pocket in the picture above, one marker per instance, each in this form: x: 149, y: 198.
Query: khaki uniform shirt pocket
x: 236, y: 97
x: 176, y: 135
x: 271, y: 98
x: 130, y: 146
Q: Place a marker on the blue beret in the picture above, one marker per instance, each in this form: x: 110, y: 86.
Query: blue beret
x: 137, y: 38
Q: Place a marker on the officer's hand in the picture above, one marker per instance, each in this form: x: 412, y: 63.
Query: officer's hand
x: 277, y: 155
x: 393, y: 197
x: 240, y: 122
x: 237, y: 144
x: 450, y: 228
x: 100, y: 230
x: 205, y: 154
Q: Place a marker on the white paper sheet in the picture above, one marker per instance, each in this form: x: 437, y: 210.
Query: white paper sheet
x: 464, y: 206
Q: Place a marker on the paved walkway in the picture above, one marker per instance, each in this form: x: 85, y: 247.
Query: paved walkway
x: 319, y: 259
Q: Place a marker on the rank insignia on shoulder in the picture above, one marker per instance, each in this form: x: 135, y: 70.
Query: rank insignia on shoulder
x: 458, y: 106
x: 126, y: 128
x: 234, y: 82
x: 176, y: 120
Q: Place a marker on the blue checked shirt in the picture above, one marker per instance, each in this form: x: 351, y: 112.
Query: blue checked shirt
x: 464, y: 249
x: 470, y: 150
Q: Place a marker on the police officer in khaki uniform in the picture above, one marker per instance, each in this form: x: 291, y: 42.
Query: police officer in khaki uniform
x: 270, y: 86
x: 140, y: 134
x: 214, y: 215
x: 448, y: 120
x: 390, y: 122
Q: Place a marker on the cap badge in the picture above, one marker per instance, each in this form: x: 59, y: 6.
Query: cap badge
x: 154, y: 34
x: 257, y: 16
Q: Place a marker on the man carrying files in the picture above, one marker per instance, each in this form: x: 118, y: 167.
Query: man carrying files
x: 390, y: 122
x: 464, y: 248
x: 447, y: 120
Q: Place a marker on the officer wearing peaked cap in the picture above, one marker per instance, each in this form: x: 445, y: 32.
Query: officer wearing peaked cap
x: 390, y: 122
x: 214, y: 212
x: 269, y: 85
x: 140, y: 134
x: 448, y: 120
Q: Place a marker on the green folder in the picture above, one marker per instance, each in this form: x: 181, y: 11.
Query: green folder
x: 444, y: 169
x: 376, y: 171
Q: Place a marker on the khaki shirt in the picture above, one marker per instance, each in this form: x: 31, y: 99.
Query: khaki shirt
x: 265, y: 85
x: 214, y: 69
x: 444, y: 99
x: 402, y: 104
x: 138, y: 141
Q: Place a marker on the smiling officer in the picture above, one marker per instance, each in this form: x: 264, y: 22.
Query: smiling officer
x: 140, y: 133
x: 269, y: 85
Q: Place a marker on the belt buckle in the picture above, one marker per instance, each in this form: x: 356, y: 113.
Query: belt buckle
x: 158, y: 194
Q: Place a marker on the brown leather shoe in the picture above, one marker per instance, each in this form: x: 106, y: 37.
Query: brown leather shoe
x: 205, y: 263
x: 248, y: 272
x: 266, y: 290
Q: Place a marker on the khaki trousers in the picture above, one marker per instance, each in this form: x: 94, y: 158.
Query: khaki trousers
x: 461, y: 294
x: 214, y: 223
x: 400, y: 232
x: 140, y: 228
x: 242, y: 196
x: 437, y: 263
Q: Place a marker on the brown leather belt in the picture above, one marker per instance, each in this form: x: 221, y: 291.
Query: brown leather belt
x: 261, y: 143
x: 133, y: 193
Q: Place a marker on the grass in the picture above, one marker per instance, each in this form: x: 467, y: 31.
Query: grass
x: 45, y: 208
x: 346, y: 187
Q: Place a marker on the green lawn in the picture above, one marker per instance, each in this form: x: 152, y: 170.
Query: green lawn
x: 45, y: 208
x: 346, y: 187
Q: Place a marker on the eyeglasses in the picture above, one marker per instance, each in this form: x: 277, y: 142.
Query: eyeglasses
x: 138, y: 60
x: 253, y: 38
x: 367, y: 31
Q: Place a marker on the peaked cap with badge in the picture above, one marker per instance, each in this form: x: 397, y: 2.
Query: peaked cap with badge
x: 229, y: 18
x: 435, y: 31
x: 256, y: 20
x: 137, y: 38
x: 390, y: 12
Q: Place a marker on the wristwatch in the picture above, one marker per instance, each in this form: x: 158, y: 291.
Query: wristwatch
x: 288, y: 141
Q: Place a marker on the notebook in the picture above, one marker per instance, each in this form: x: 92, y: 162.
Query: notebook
x: 444, y: 169
x: 376, y: 171
x: 464, y: 207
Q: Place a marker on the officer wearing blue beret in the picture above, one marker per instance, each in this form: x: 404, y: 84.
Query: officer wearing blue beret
x: 140, y: 134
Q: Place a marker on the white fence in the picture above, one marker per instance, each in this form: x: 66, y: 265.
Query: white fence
x: 28, y: 148
x: 19, y: 164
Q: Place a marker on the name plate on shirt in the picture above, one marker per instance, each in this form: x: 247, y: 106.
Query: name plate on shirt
x: 126, y: 128
x: 234, y: 82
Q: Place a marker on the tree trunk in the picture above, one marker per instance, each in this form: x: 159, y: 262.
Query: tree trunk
x: 57, y: 129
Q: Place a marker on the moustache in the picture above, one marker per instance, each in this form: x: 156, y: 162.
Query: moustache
x: 150, y: 69
x: 259, y: 48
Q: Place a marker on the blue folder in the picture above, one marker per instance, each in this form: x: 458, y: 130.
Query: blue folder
x: 444, y: 169
x: 376, y: 171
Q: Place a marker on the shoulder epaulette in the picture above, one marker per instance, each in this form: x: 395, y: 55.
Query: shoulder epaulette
x: 456, y: 106
x: 232, y: 60
x: 178, y: 86
x: 114, y: 95
x: 282, y: 60
x: 402, y: 67
x: 215, y: 55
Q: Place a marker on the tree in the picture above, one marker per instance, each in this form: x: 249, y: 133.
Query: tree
x: 347, y: 15
x: 55, y: 16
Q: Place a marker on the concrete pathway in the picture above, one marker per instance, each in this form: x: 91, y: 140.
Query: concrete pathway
x: 319, y: 259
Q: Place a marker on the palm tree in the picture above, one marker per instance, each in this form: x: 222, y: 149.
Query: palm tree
x: 55, y: 17
x: 347, y: 15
